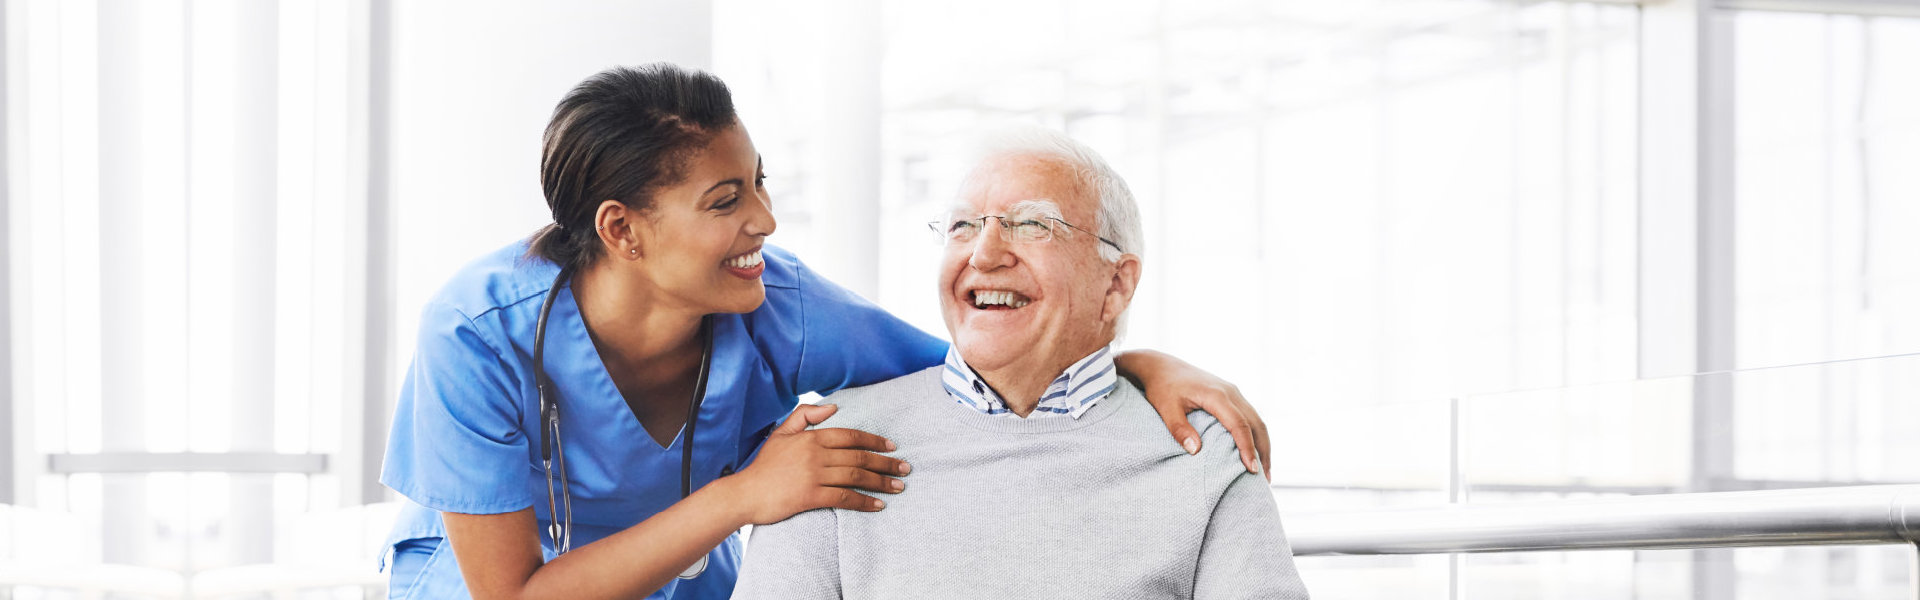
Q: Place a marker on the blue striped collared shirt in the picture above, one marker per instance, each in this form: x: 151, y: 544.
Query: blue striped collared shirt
x: 1071, y: 394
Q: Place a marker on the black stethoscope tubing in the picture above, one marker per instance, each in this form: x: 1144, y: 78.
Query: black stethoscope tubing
x: 560, y: 530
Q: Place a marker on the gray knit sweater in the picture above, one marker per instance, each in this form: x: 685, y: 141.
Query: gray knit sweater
x: 1103, y: 506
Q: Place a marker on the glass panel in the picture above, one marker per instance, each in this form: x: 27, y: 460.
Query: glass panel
x: 1581, y: 575
x: 1846, y: 426
x: 1616, y: 440
x: 1802, y: 426
x: 1827, y: 128
x: 1424, y: 577
x: 1333, y: 458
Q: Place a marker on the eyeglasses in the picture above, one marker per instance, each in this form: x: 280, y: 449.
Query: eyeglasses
x: 1013, y: 229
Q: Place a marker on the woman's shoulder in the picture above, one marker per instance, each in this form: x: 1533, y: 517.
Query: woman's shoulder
x: 499, y: 279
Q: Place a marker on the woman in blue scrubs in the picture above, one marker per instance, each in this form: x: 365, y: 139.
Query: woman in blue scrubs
x: 660, y: 216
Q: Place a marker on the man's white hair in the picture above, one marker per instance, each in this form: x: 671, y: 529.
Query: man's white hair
x: 1117, y: 220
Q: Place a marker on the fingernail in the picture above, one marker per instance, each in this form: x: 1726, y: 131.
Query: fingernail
x: 891, y: 446
x: 878, y: 503
x: 1192, y: 446
x: 905, y: 468
x: 1256, y: 468
x: 897, y: 485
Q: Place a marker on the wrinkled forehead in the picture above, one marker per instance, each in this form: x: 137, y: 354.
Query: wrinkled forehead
x: 1032, y: 208
x: 998, y: 183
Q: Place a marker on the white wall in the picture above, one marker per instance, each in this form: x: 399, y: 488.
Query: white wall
x: 473, y: 85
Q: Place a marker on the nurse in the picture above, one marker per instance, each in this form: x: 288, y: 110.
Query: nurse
x: 675, y: 345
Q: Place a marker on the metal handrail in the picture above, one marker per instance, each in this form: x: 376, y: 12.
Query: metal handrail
x: 1852, y: 515
x: 1879, y: 514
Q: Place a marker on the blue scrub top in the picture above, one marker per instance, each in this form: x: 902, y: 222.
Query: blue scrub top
x: 465, y: 433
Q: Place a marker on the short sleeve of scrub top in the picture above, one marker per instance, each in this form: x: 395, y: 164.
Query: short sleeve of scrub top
x: 457, y: 443
x: 460, y: 440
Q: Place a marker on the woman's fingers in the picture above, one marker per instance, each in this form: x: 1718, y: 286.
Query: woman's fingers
x: 1261, y: 441
x: 1243, y: 438
x: 850, y: 477
x: 1226, y: 405
x: 867, y: 460
x: 847, y: 499
x: 852, y: 438
x: 1255, y: 437
x: 1175, y: 418
x: 805, y: 416
x: 801, y: 469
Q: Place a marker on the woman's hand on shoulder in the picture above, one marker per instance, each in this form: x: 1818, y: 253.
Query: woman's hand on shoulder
x: 1175, y: 388
x: 802, y: 469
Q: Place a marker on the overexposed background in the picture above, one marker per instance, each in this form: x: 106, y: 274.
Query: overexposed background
x: 1454, y: 250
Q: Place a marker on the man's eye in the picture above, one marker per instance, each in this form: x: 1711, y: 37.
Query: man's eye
x: 1030, y: 225
x: 961, y: 226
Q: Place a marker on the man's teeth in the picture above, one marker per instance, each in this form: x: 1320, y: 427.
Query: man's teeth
x: 984, y: 298
x: 745, y: 262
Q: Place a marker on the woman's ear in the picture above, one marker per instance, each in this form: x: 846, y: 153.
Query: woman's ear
x: 1126, y: 279
x: 617, y: 225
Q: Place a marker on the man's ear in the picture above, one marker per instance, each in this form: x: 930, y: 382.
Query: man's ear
x: 618, y: 227
x: 1120, y: 288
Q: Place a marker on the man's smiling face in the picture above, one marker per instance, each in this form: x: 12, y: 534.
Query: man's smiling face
x: 1042, y: 301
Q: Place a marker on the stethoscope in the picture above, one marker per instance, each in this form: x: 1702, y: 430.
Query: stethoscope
x: 560, y: 530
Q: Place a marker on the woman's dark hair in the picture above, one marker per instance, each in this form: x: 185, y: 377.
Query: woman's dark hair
x: 621, y: 134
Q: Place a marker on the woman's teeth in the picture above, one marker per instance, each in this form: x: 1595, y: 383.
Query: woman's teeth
x: 983, y: 299
x: 744, y: 262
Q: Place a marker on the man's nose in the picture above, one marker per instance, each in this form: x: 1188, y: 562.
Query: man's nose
x: 991, y: 250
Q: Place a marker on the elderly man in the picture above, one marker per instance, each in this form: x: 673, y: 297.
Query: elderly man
x: 1036, y: 472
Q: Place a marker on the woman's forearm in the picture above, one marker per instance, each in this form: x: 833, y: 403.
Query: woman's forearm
x: 645, y: 557
x: 500, y: 558
x: 1131, y: 363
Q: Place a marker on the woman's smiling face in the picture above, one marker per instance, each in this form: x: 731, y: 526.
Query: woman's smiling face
x: 700, y: 239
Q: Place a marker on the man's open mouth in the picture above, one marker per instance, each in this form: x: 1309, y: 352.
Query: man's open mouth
x: 998, y: 299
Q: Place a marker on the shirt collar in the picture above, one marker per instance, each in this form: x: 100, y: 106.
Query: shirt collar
x: 1084, y: 382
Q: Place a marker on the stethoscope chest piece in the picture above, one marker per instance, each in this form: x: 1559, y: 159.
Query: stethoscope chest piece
x: 698, y: 567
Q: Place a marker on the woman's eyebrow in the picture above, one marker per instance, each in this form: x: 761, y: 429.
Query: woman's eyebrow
x: 760, y: 164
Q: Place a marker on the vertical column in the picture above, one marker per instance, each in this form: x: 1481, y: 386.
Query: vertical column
x: 1686, y: 226
x: 847, y: 209
x: 1914, y: 574
x: 122, y: 396
x: 1669, y: 184
x: 367, y: 419
x: 256, y: 125
x: 7, y: 448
